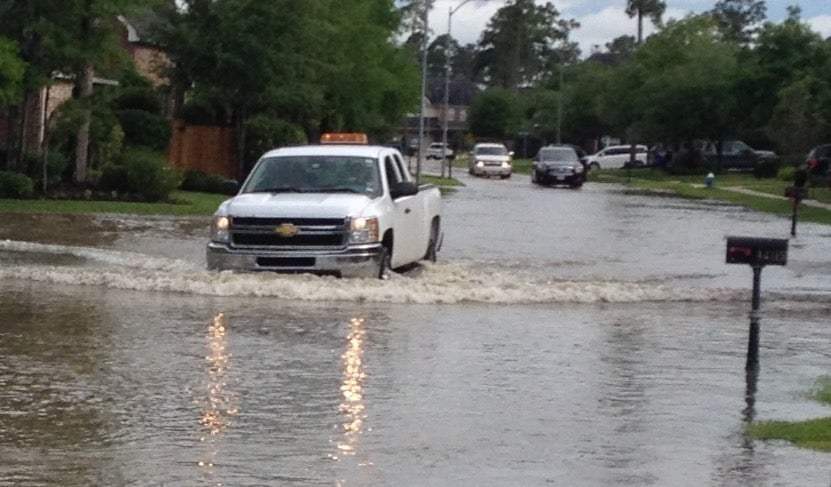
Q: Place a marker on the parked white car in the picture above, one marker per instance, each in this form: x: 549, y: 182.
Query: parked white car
x: 491, y: 160
x: 349, y: 210
x: 617, y: 156
x: 438, y: 150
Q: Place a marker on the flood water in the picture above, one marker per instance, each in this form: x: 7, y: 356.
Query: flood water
x: 583, y: 338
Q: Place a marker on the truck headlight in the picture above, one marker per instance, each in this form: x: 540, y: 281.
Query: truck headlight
x: 220, y: 229
x: 480, y: 164
x: 364, y: 230
x: 578, y: 168
x: 506, y: 165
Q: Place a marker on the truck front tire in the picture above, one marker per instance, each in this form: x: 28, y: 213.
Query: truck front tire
x: 385, y: 266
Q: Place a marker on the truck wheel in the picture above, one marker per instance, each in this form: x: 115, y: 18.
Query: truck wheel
x: 385, y: 268
x: 432, y: 251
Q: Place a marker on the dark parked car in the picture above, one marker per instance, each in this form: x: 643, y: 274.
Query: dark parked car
x: 735, y: 154
x: 558, y: 164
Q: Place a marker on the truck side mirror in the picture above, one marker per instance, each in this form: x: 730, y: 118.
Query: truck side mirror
x: 404, y: 188
x: 229, y: 187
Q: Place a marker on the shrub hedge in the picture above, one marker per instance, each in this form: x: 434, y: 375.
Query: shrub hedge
x: 15, y: 185
x: 142, y: 128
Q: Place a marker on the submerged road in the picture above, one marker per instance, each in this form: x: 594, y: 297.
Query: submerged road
x: 588, y: 338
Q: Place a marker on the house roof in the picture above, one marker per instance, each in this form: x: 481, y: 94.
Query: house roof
x: 141, y: 26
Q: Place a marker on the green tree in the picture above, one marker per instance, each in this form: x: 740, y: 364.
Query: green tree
x: 436, y: 57
x: 654, y: 9
x: 783, y: 53
x: 738, y: 19
x: 800, y: 119
x: 523, y: 43
x: 11, y: 73
x: 680, y: 85
x: 583, y: 120
x: 323, y: 65
x: 494, y: 114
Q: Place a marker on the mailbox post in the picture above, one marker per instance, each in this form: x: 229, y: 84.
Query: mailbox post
x: 758, y: 253
x: 796, y: 194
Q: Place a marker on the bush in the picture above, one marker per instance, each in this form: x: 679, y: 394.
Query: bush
x: 767, y: 168
x: 689, y: 162
x: 148, y: 174
x: 137, y: 98
x: 144, y: 129
x: 56, y: 168
x: 114, y: 178
x: 15, y: 185
x: 199, y: 181
x: 264, y: 133
x: 787, y: 173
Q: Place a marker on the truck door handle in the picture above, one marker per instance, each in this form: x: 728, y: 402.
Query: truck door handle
x: 406, y: 210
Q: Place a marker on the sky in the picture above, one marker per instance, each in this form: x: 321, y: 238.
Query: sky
x: 603, y: 20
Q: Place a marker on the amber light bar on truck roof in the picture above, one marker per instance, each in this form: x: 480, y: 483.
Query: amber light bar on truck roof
x: 344, y: 138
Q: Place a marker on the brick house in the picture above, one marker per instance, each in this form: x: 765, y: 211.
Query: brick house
x: 149, y: 60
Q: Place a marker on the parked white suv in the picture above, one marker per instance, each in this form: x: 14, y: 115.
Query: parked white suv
x: 617, y: 156
x: 348, y: 210
x: 438, y: 150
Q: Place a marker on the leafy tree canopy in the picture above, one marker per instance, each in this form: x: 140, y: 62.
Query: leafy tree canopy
x: 11, y: 73
x: 523, y: 42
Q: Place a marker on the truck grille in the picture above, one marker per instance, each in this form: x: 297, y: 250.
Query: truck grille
x: 311, y: 233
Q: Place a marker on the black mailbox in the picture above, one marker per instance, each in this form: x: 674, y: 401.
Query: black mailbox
x: 757, y: 251
x: 796, y: 192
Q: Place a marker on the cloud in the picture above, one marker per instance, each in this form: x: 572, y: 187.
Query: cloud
x: 471, y: 19
x: 596, y: 29
x: 821, y: 24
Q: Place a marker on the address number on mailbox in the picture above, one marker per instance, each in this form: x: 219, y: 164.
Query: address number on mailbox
x: 757, y: 251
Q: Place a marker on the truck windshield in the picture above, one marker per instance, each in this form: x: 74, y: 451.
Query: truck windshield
x: 491, y: 151
x: 315, y: 174
x: 565, y: 155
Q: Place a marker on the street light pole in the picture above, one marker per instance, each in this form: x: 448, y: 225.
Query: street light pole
x: 423, y: 93
x: 451, y: 11
x: 560, y: 109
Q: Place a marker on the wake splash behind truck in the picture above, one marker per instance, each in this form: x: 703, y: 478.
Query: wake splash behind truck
x: 346, y: 210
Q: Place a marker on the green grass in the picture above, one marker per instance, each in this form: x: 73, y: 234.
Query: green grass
x: 186, y: 203
x: 814, y: 434
x: 441, y: 182
x: 658, y: 181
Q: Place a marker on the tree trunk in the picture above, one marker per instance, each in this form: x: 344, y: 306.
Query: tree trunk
x: 12, y: 138
x: 82, y: 143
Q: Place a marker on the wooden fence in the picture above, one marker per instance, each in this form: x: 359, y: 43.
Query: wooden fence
x: 204, y: 148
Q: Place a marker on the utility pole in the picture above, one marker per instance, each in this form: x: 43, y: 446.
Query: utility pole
x: 560, y: 108
x: 450, y: 13
x: 423, y: 92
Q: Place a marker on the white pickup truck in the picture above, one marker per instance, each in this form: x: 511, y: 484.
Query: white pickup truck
x: 347, y: 210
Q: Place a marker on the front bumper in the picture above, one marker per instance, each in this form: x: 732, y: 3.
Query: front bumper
x: 552, y: 177
x: 492, y: 171
x: 356, y: 261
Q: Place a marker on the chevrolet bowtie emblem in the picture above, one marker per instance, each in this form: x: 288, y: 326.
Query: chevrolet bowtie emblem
x: 286, y: 230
